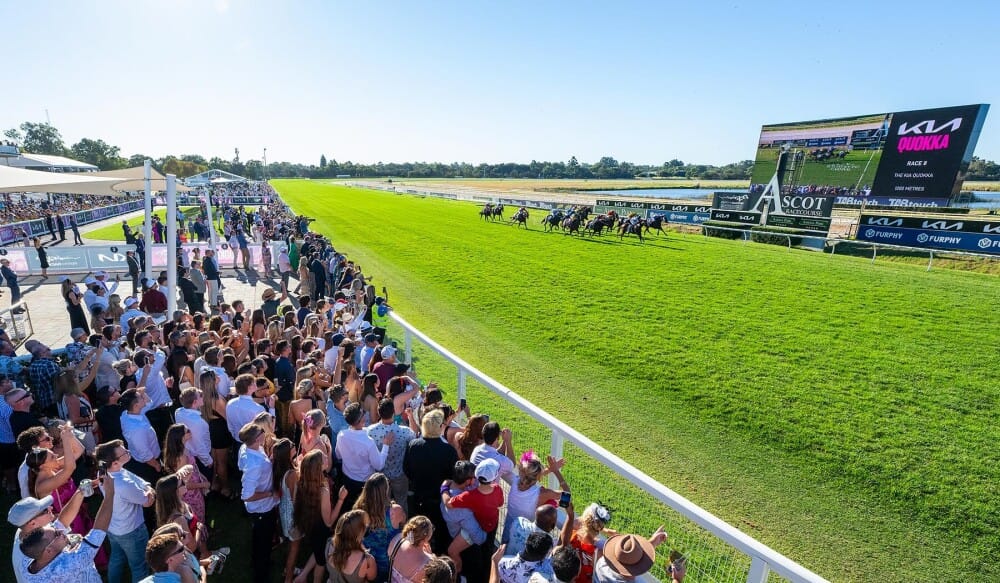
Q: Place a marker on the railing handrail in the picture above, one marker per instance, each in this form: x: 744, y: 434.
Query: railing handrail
x: 776, y: 562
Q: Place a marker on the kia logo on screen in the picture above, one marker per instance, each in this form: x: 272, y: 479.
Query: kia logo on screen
x: 927, y: 127
x: 921, y: 141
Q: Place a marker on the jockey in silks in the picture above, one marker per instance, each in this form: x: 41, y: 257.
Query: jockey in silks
x: 633, y: 220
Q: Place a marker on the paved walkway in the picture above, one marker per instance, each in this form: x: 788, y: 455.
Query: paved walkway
x: 50, y: 319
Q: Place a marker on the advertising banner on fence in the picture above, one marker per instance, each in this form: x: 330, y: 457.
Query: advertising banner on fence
x: 691, y: 214
x: 738, y: 217
x: 931, y: 232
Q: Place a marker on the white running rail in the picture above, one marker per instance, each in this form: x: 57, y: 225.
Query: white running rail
x: 763, y: 559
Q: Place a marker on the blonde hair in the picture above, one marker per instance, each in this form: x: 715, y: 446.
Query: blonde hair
x: 430, y: 425
x: 418, y: 530
x: 528, y: 471
x: 590, y: 523
x: 305, y: 387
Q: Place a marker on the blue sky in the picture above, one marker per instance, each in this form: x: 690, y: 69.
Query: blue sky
x: 483, y: 82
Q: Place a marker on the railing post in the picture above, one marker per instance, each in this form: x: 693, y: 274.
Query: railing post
x: 930, y: 261
x: 461, y: 383
x: 874, y: 252
x: 789, y: 237
x: 408, y: 344
x: 746, y: 237
x: 758, y: 571
x: 556, y: 451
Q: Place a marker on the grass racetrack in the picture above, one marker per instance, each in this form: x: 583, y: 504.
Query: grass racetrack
x: 114, y: 232
x: 842, y: 412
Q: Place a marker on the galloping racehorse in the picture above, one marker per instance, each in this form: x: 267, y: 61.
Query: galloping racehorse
x: 552, y: 220
x: 487, y: 212
x: 597, y: 225
x: 655, y: 224
x: 631, y: 225
x: 572, y: 224
x: 520, y: 217
x: 498, y: 211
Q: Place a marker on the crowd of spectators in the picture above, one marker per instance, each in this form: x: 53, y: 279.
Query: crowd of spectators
x: 298, y: 415
x: 15, y: 208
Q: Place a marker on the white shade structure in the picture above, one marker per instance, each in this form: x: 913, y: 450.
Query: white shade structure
x: 133, y: 180
x: 18, y: 180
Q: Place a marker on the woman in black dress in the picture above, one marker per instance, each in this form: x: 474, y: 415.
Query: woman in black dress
x: 43, y: 256
x: 74, y: 305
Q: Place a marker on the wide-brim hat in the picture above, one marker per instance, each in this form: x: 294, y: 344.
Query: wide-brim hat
x: 630, y: 554
x: 268, y: 294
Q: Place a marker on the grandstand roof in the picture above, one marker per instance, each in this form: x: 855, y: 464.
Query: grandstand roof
x: 21, y: 180
x: 50, y: 163
x: 212, y: 177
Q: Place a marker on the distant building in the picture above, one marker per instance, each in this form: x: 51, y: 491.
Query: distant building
x: 46, y: 163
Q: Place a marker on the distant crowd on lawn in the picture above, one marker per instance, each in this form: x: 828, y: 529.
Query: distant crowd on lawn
x: 297, y: 421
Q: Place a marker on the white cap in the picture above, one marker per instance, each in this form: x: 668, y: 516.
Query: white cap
x: 488, y: 471
x: 130, y: 301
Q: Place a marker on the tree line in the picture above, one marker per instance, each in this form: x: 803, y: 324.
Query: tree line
x: 43, y: 138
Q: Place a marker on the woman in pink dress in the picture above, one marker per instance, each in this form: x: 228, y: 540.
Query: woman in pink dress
x: 175, y: 457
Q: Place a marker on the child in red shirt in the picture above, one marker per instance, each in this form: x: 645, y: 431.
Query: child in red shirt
x: 484, y: 502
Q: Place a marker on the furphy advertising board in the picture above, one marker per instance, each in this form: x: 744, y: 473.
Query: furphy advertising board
x: 936, y: 233
x: 908, y: 158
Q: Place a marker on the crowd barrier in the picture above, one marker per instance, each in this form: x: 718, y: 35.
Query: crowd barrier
x: 38, y: 227
x: 715, y: 550
x: 111, y: 257
x: 16, y: 321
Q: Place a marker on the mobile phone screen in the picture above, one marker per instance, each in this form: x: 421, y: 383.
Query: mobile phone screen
x: 564, y: 499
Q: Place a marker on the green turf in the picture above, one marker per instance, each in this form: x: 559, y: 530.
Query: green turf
x: 841, y: 412
x: 114, y: 232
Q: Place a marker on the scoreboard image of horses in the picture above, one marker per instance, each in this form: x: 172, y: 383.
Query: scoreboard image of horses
x: 835, y: 156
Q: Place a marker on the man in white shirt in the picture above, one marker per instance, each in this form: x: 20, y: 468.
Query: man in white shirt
x: 261, y: 500
x: 158, y: 407
x: 101, y: 278
x: 360, y: 456
x: 138, y: 433
x: 88, y: 295
x: 131, y: 311
x: 31, y: 513
x: 96, y: 295
x: 491, y: 448
x: 127, y: 529
x: 189, y: 415
x: 54, y: 558
x: 243, y: 408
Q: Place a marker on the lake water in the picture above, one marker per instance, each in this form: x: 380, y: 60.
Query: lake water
x: 671, y: 193
x: 989, y: 199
